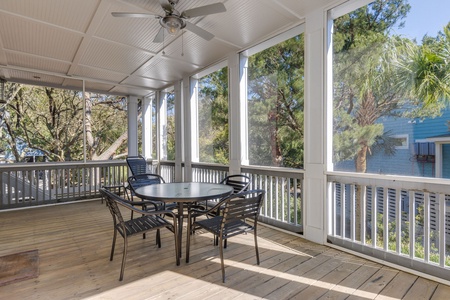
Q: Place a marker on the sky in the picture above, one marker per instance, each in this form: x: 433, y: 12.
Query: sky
x: 426, y: 17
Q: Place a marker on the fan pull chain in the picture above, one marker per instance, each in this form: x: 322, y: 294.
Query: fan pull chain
x: 182, y: 43
x: 164, y: 45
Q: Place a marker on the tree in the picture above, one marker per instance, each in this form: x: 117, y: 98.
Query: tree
x: 426, y: 70
x: 51, y: 120
x: 213, y: 117
x: 275, y: 104
x: 365, y: 86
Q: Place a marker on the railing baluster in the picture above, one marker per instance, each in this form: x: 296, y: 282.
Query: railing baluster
x: 363, y: 208
x: 352, y: 212
x: 385, y: 219
x: 398, y: 220
x: 343, y: 214
x: 277, y: 196
x: 412, y: 224
x: 332, y: 211
x: 374, y: 215
x: 426, y: 225
x: 442, y: 248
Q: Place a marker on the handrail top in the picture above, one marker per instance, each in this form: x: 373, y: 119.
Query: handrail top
x: 44, y: 165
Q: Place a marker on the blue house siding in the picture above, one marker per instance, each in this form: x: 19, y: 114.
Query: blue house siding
x: 405, y: 162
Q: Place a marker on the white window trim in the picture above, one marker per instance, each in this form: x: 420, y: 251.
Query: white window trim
x: 401, y: 136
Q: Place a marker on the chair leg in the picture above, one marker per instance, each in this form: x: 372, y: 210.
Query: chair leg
x: 177, y: 246
x: 158, y: 238
x: 221, y: 258
x: 124, y: 258
x: 256, y: 246
x: 113, y: 245
x: 188, y: 239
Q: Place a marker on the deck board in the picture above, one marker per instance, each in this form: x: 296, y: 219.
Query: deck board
x: 74, y: 243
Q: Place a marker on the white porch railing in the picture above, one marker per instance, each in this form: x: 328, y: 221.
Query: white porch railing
x: 283, y: 201
x: 34, y: 184
x: 402, y: 220
x: 31, y: 184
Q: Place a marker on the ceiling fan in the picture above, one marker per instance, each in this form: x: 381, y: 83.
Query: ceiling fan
x: 173, y: 21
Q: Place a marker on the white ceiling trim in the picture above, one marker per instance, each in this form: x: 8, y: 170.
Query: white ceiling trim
x: 96, y: 20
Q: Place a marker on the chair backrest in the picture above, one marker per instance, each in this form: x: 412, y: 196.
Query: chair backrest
x: 137, y: 165
x: 143, y: 180
x: 239, y: 182
x: 243, y: 205
x: 111, y: 202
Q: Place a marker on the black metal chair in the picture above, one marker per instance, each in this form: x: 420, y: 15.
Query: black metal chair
x: 138, y: 165
x: 140, y: 180
x: 148, y: 221
x: 238, y: 208
x: 238, y: 182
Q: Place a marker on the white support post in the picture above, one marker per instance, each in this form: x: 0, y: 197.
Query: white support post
x: 314, y: 201
x: 237, y: 118
x: 147, y: 133
x: 132, y: 110
x: 178, y: 132
x: 191, y: 151
x: 242, y: 136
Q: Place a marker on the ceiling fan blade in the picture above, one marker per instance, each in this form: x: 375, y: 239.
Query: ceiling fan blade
x: 204, y: 10
x: 166, y: 6
x: 134, y: 15
x: 159, y: 38
x: 199, y: 31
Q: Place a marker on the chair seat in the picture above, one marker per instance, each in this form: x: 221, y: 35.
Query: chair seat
x: 143, y: 224
x: 230, y: 229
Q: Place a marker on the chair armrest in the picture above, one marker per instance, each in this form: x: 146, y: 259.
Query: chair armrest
x: 198, y: 211
x: 130, y: 205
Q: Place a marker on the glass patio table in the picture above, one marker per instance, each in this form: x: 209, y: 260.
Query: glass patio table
x: 185, y: 194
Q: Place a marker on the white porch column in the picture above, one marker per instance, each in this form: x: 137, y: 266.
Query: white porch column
x: 314, y: 195
x: 147, y: 145
x: 237, y: 112
x: 178, y: 132
x: 191, y: 153
x: 132, y: 110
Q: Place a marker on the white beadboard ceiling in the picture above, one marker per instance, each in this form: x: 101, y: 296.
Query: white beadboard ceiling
x: 60, y: 42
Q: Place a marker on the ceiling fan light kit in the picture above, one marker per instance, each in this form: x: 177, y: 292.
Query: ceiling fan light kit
x: 172, y: 24
x: 173, y: 21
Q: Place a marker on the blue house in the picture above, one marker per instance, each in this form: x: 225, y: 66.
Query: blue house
x: 423, y: 148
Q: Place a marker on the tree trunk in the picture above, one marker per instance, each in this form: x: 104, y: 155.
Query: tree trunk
x: 109, y: 153
x: 361, y: 167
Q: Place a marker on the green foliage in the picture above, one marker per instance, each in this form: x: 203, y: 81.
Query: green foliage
x: 170, y: 146
x: 213, y: 117
x: 51, y: 120
x: 377, y: 75
x: 275, y: 105
x: 419, y: 249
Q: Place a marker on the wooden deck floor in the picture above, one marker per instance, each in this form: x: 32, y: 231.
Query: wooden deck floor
x: 74, y: 244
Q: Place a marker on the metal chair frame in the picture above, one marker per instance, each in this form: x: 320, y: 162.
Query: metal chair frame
x: 148, y: 221
x: 237, y: 209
